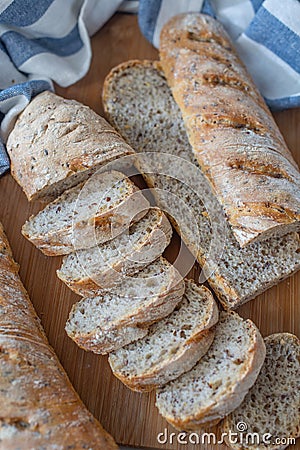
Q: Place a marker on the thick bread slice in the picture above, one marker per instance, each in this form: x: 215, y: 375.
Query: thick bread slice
x: 240, y: 274
x: 219, y: 382
x: 233, y: 134
x: 57, y: 143
x: 93, y: 212
x: 39, y: 407
x: 271, y: 407
x: 172, y: 346
x: 102, y: 266
x: 116, y: 317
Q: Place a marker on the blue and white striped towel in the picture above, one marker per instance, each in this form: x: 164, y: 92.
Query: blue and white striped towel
x: 49, y: 40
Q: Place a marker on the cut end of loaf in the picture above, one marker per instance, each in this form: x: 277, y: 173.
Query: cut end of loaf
x: 49, y: 124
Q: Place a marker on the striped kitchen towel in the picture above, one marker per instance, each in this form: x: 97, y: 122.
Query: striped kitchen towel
x: 49, y: 40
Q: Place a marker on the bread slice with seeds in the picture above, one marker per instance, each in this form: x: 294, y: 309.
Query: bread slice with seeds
x: 271, y: 407
x: 172, y: 346
x: 86, y: 271
x: 122, y: 314
x: 93, y: 212
x: 236, y: 275
x: 218, y: 383
x: 57, y: 143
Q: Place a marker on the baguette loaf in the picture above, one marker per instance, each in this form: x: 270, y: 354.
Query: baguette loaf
x: 219, y: 382
x: 57, y: 143
x: 238, y: 274
x: 93, y: 212
x: 271, y: 407
x: 172, y: 346
x: 87, y: 271
x: 39, y: 407
x: 113, y: 318
x: 232, y: 132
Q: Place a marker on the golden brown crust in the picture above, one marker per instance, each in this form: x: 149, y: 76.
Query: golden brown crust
x: 49, y: 124
x: 233, y: 134
x: 38, y: 402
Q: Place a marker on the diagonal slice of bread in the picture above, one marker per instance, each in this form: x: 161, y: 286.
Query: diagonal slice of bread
x: 102, y: 266
x: 150, y: 121
x: 88, y: 214
x: 57, y: 143
x: 115, y: 317
x: 271, y: 407
x: 172, y: 346
x: 219, y: 382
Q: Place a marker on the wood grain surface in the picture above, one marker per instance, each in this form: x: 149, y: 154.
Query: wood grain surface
x: 130, y: 417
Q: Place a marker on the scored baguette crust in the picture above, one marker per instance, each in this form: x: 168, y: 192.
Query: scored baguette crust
x: 157, y: 240
x: 224, y: 404
x: 39, y: 406
x: 182, y: 360
x: 118, y: 93
x: 233, y: 134
x: 103, y: 225
x: 57, y: 143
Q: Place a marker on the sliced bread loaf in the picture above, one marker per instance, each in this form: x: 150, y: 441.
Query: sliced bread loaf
x: 57, y: 143
x: 271, y: 407
x: 218, y: 384
x: 150, y: 121
x: 115, y: 317
x: 102, y: 266
x: 172, y: 346
x: 93, y: 212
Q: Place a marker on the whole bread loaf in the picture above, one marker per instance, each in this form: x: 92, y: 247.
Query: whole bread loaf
x: 233, y: 134
x: 57, y: 143
x: 236, y: 274
x: 39, y: 407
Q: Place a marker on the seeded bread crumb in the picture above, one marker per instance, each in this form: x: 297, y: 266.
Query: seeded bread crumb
x: 88, y: 214
x: 218, y: 384
x: 115, y: 317
x: 272, y: 404
x: 150, y: 121
x: 102, y: 266
x: 172, y: 346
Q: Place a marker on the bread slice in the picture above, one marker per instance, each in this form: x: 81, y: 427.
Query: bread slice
x: 93, y: 212
x: 115, y: 317
x: 236, y: 275
x: 86, y: 271
x: 172, y: 346
x: 57, y: 143
x: 271, y: 407
x: 218, y: 384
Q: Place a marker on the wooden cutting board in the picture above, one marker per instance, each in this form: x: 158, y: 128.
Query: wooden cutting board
x: 130, y: 417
